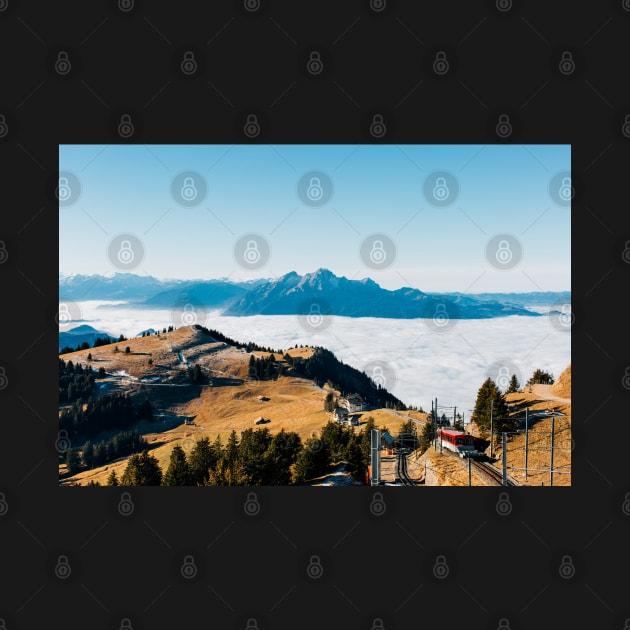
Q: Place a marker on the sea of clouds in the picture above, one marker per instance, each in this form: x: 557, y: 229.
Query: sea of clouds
x: 412, y: 358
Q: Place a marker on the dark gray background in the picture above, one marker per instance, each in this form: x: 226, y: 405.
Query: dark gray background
x: 254, y: 62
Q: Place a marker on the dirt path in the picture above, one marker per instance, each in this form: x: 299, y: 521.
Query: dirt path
x: 544, y: 393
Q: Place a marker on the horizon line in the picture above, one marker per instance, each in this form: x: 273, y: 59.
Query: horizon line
x: 292, y: 271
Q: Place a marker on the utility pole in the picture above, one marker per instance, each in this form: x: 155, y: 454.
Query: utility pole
x: 526, y: 439
x: 469, y: 473
x: 433, y: 422
x: 454, y: 415
x: 436, y: 423
x: 491, y: 427
x: 504, y: 458
x: 375, y: 439
x: 553, y: 419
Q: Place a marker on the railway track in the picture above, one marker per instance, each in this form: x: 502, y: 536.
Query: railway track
x: 487, y: 469
x: 401, y: 470
x: 493, y: 473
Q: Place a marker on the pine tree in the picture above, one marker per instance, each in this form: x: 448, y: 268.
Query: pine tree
x: 426, y: 437
x: 514, y: 385
x: 489, y: 398
x: 73, y: 461
x: 280, y: 456
x: 542, y: 377
x: 366, y: 439
x: 329, y: 402
x: 231, y: 461
x: 202, y: 459
x: 312, y: 461
x: 112, y: 480
x: 142, y: 470
x: 178, y: 471
x: 353, y: 455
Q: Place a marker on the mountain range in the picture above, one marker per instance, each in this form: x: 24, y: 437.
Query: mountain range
x: 294, y: 294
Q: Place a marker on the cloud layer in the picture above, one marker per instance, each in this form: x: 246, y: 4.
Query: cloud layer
x: 413, y: 359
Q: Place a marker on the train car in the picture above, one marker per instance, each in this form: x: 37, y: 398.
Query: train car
x: 456, y: 441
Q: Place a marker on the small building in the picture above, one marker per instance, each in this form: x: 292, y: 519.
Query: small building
x: 340, y: 414
x: 353, y: 402
x: 387, y: 443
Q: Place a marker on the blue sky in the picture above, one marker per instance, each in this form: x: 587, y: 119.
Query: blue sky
x: 376, y: 189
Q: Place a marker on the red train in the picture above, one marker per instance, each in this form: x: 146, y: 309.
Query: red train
x: 456, y: 441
